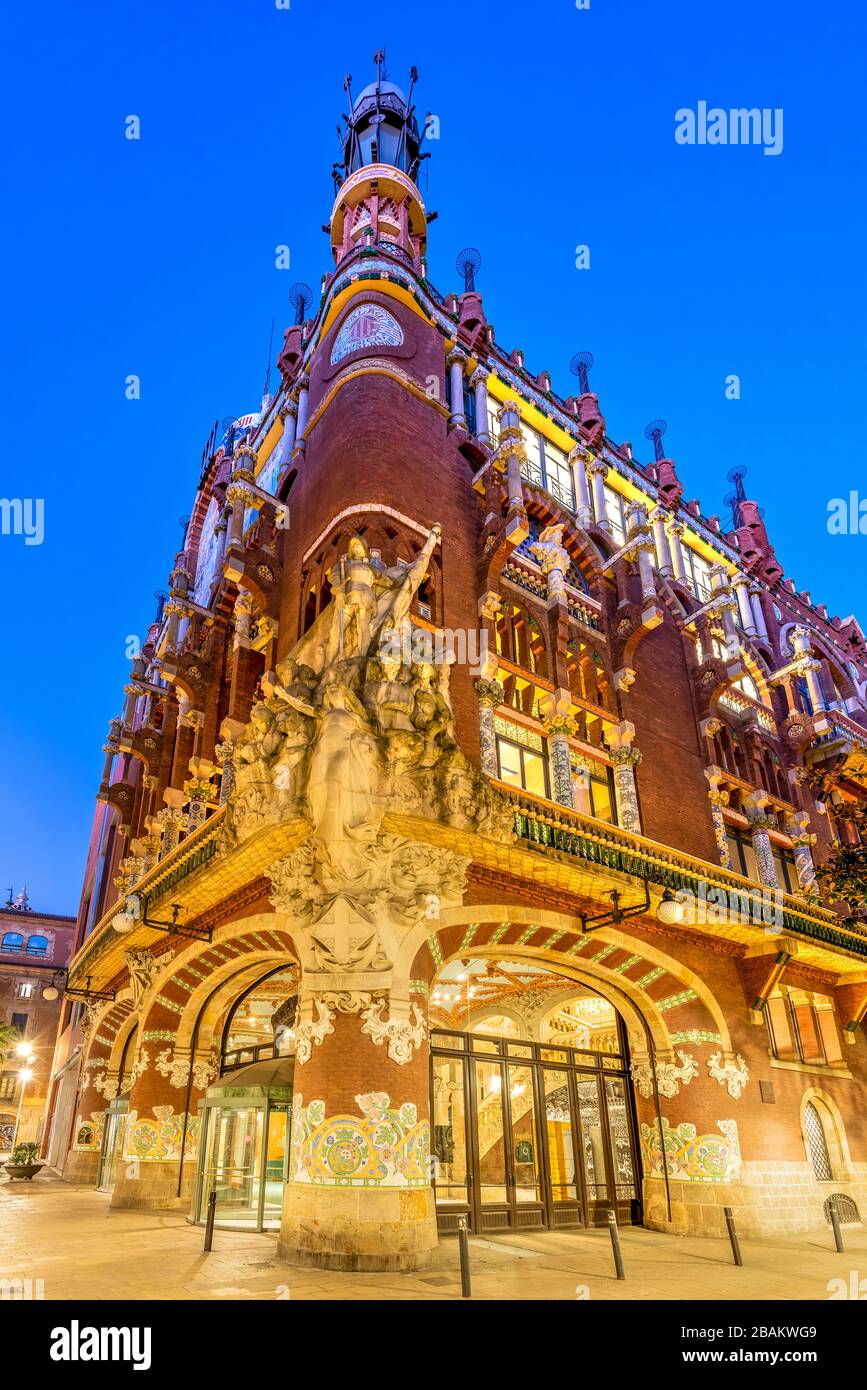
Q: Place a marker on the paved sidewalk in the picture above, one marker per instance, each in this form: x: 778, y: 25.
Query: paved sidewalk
x: 71, y: 1239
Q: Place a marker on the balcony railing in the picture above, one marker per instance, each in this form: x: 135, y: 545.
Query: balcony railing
x: 554, y: 827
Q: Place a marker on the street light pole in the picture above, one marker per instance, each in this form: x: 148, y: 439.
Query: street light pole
x: 25, y: 1052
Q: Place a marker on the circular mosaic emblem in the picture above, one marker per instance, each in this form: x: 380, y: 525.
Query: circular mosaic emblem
x: 367, y: 326
x: 344, y: 1153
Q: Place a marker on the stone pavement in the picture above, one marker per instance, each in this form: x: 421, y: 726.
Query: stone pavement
x: 80, y: 1248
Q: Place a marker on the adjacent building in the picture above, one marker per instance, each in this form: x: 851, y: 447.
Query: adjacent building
x: 454, y: 854
x: 34, y: 951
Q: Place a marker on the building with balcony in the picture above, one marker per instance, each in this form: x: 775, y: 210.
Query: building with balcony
x: 34, y: 951
x: 453, y: 855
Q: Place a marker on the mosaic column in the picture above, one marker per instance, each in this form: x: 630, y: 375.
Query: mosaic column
x: 82, y: 1159
x: 490, y: 693
x: 718, y: 798
x: 758, y: 612
x: 625, y: 759
x: 798, y: 827
x: 760, y: 823
x: 225, y: 755
x: 172, y: 823
x: 808, y: 667
x: 303, y: 405
x: 640, y: 540
x: 556, y: 711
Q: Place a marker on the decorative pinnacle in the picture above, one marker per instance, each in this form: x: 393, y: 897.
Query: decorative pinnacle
x: 469, y: 261
x: 300, y: 296
x: 579, y: 367
x: 655, y: 430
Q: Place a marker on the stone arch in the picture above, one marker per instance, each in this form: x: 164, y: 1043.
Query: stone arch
x: 676, y: 1004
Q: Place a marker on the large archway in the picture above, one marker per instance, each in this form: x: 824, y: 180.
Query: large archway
x: 531, y: 1097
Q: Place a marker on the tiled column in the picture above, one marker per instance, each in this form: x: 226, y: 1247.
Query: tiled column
x: 718, y: 798
x: 803, y: 839
x: 760, y: 824
x: 303, y: 389
x: 490, y: 693
x: 556, y: 711
x: 625, y: 759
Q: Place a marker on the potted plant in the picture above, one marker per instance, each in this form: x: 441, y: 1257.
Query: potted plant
x: 23, y: 1162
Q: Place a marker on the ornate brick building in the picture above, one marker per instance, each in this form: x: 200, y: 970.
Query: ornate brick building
x: 456, y: 819
x: 34, y: 951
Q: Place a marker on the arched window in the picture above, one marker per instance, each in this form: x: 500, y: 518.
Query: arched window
x: 817, y: 1144
x: 37, y: 946
x: 12, y: 941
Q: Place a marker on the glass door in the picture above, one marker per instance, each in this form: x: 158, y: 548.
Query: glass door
x: 233, y: 1164
x: 452, y: 1172
x: 561, y: 1136
x: 113, y: 1138
x: 276, y: 1159
x: 494, y: 1204
x: 523, y: 1155
x: 592, y: 1146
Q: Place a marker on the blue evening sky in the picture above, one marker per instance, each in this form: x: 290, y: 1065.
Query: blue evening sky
x: 156, y: 257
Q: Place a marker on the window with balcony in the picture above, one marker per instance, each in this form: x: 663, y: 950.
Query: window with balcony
x: 744, y: 861
x: 593, y: 789
x: 12, y: 941
x: 802, y: 1027
x: 37, y: 946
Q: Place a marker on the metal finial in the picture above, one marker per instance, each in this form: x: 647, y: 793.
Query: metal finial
x: 655, y: 430
x: 579, y: 367
x: 468, y: 262
x: 300, y: 296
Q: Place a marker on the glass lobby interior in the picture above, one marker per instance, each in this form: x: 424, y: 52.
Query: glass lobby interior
x: 531, y: 1102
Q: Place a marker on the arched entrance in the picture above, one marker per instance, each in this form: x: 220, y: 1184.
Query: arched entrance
x: 531, y: 1099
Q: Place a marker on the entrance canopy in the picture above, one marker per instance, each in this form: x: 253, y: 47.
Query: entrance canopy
x: 266, y: 1080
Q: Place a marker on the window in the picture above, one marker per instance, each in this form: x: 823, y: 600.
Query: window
x: 8, y: 1085
x: 697, y: 574
x: 547, y: 467
x: 593, y: 789
x: 817, y: 1144
x: 19, y: 1021
x: 25, y: 989
x: 37, y: 946
x: 12, y: 941
x: 802, y: 1027
x: 521, y: 767
x: 615, y: 505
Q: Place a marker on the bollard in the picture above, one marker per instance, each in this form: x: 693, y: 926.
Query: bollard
x: 209, y: 1219
x: 835, y: 1222
x: 733, y: 1236
x: 615, y: 1243
x: 464, y: 1249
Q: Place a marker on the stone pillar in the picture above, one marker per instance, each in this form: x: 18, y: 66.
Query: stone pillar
x: 718, y: 798
x: 556, y: 712
x: 479, y: 383
x: 723, y: 604
x: 760, y: 823
x: 237, y: 497
x: 640, y: 541
x: 289, y: 415
x: 455, y: 362
x: 583, y: 510
x: 172, y: 613
x: 803, y: 839
x: 490, y: 693
x: 597, y: 471
x: 225, y: 755
x: 303, y: 406
x: 741, y: 586
x: 511, y: 454
x: 245, y: 607
x: 625, y: 759
x: 758, y: 614
x: 160, y: 1144
x: 658, y: 518
x: 808, y: 666
x: 82, y: 1160
x: 678, y: 564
